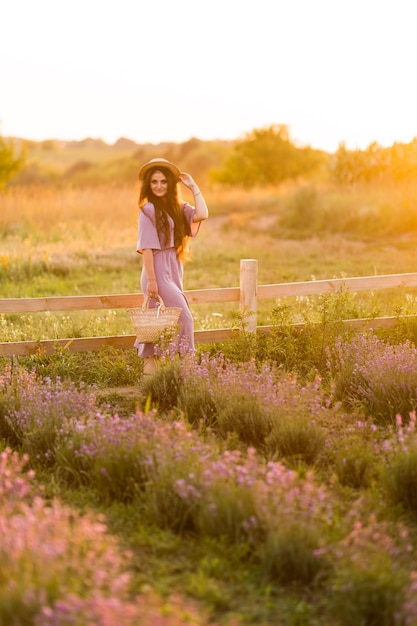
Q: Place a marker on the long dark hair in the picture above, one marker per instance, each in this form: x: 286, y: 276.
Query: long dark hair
x: 170, y: 205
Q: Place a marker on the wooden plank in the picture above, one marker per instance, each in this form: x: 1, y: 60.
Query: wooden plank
x: 214, y: 296
x: 70, y: 303
x: 248, y: 301
x: 87, y: 344
x: 205, y: 296
x: 121, y: 301
x: 213, y: 336
x: 26, y: 348
x: 47, y: 346
x: 358, y: 324
x: 316, y: 287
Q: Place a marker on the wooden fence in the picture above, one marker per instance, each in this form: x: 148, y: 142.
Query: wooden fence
x: 247, y: 295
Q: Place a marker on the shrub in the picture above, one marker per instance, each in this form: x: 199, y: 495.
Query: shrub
x: 37, y: 412
x: 122, y: 458
x: 183, y: 483
x: 302, y: 350
x: 287, y: 556
x: 295, y: 350
x: 382, y: 378
x: 243, y: 415
x: 247, y: 401
x: 197, y: 403
x: 228, y: 508
x: 370, y: 583
x: 354, y: 467
x: 371, y: 597
x: 295, y: 439
x: 400, y: 480
x: 10, y: 386
x: 164, y: 386
x: 143, y: 610
x: 59, y: 568
x: 48, y: 552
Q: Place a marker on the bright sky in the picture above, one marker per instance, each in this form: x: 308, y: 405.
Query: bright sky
x: 169, y: 70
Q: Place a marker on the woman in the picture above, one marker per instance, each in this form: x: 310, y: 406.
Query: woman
x: 165, y: 226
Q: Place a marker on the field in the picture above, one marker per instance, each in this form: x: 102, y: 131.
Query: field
x: 269, y: 481
x: 82, y: 242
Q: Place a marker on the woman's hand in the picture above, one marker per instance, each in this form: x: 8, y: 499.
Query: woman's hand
x: 152, y: 289
x: 188, y: 180
x: 201, y: 210
x: 152, y: 286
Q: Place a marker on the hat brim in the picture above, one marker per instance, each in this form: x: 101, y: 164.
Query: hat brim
x: 159, y: 164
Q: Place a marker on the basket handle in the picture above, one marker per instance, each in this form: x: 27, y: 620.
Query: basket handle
x: 161, y: 304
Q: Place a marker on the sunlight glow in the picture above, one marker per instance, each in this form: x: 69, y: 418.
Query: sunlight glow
x: 332, y: 71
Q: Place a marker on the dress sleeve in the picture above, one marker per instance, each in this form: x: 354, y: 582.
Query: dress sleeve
x: 147, y: 233
x: 189, y: 216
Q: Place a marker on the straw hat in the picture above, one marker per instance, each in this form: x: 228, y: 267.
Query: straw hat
x: 159, y: 162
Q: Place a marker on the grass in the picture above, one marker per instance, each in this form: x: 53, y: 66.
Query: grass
x: 271, y: 490
x: 90, y: 249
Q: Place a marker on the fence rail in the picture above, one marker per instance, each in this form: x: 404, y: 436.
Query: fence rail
x: 247, y: 294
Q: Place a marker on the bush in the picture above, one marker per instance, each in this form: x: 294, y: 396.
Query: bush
x: 368, y: 597
x: 302, y: 350
x: 400, y: 480
x: 380, y: 377
x: 244, y: 416
x: 127, y: 458
x: 51, y: 555
x: 295, y: 439
x: 287, y: 556
x: 164, y: 387
x: 36, y: 412
x: 197, y: 403
x: 354, y: 467
x: 60, y: 568
x: 370, y: 582
x: 10, y: 162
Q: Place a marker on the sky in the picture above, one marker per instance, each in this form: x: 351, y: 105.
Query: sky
x: 167, y: 70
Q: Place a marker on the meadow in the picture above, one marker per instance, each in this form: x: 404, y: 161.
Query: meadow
x: 270, y: 480
x: 82, y: 242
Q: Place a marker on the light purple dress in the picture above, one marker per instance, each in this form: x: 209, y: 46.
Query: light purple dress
x: 168, y: 273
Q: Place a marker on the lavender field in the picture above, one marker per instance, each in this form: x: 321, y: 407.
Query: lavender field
x: 284, y: 501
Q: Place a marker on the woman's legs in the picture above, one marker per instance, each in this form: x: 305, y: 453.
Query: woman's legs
x: 150, y: 364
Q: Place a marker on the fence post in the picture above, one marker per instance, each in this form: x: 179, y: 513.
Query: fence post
x: 249, y: 292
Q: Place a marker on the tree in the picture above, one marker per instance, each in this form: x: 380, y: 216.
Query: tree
x: 10, y: 164
x: 266, y: 156
x: 375, y: 164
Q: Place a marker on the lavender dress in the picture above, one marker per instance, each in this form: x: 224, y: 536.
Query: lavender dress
x: 168, y: 272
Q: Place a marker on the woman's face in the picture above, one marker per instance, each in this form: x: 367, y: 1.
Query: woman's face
x: 159, y: 184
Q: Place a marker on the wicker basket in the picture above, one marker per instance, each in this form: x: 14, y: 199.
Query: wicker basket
x: 149, y: 324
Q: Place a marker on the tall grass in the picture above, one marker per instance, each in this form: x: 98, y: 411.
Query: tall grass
x: 363, y: 210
